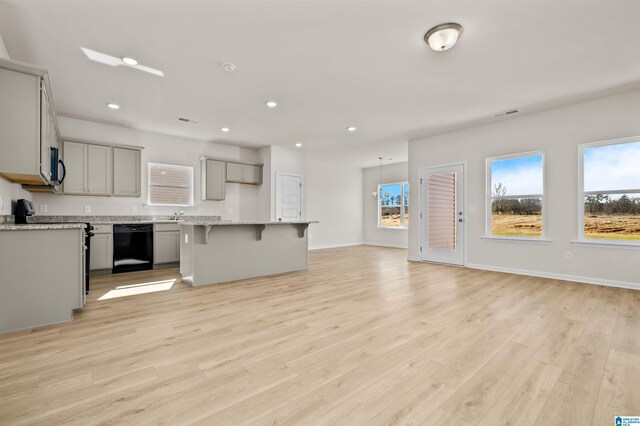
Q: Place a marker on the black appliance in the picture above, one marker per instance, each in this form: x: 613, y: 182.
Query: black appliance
x: 87, y: 255
x: 56, y: 162
x: 24, y: 208
x: 132, y: 247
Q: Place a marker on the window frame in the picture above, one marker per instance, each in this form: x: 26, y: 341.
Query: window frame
x: 582, y: 193
x: 489, y: 198
x: 403, y: 208
x: 191, y: 186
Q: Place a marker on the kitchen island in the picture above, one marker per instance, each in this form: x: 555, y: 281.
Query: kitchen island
x: 217, y: 251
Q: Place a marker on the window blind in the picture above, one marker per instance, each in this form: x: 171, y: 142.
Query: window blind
x: 170, y: 185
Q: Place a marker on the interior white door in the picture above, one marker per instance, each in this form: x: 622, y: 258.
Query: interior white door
x: 288, y: 197
x: 442, y: 212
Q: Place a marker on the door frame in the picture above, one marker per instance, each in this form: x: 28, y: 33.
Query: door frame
x: 275, y: 207
x: 464, y: 209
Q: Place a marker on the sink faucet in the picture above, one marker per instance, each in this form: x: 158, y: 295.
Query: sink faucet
x: 177, y: 216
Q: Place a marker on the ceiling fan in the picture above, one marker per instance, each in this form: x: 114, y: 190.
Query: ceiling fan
x: 114, y: 61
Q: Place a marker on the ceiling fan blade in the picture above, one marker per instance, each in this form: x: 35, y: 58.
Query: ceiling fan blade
x: 114, y: 61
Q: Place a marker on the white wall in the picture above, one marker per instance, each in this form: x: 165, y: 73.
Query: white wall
x: 9, y: 192
x: 373, y: 235
x: 334, y: 197
x: 558, y: 132
x: 241, y: 201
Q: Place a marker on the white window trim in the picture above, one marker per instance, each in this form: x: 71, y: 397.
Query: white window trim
x: 403, y: 208
x: 582, y: 193
x: 488, y: 198
x: 149, y: 203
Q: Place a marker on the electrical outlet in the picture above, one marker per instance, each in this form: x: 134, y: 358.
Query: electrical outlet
x: 87, y: 209
x: 44, y: 208
x: 186, y: 238
x: 134, y: 209
x: 568, y: 255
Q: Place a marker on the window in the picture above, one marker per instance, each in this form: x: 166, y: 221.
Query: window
x: 610, y: 193
x: 393, y: 205
x: 515, y: 195
x: 170, y: 185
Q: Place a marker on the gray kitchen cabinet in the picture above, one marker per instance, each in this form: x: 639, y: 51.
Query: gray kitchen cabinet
x: 244, y: 173
x: 75, y: 182
x: 101, y: 254
x: 213, y: 179
x: 126, y: 172
x: 99, y: 170
x: 166, y: 244
x: 28, y: 126
x: 251, y: 174
x: 234, y: 172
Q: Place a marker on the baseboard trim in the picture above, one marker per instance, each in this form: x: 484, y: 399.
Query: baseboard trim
x: 400, y: 246
x: 329, y: 246
x: 413, y: 259
x: 562, y: 277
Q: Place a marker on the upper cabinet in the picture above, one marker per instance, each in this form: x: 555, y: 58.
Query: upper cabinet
x: 213, y: 179
x: 94, y: 169
x: 244, y: 173
x: 28, y: 126
x: 126, y: 172
x: 215, y: 174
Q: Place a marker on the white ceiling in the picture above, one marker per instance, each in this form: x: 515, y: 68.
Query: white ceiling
x: 329, y: 64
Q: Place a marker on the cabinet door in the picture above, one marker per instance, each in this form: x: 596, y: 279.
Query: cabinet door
x: 251, y: 174
x: 126, y: 172
x: 101, y: 252
x: 99, y: 169
x: 234, y: 172
x: 46, y: 125
x: 75, y: 159
x: 167, y: 247
x: 214, y: 180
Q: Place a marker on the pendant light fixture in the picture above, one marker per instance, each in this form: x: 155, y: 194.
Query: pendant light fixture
x: 443, y: 37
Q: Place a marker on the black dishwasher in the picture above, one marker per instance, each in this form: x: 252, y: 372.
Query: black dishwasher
x: 132, y: 247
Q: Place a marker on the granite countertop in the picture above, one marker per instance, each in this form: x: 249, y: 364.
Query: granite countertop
x: 117, y: 219
x: 39, y: 226
x: 232, y: 223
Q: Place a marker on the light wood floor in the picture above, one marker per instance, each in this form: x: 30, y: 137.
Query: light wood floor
x: 362, y: 337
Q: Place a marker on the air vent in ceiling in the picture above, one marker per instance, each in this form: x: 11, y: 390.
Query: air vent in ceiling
x: 505, y: 113
x: 188, y: 120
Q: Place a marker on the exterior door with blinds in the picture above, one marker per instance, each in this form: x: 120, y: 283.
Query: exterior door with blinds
x: 442, y: 214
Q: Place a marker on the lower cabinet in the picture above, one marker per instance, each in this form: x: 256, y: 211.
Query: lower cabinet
x: 166, y: 244
x: 101, y: 254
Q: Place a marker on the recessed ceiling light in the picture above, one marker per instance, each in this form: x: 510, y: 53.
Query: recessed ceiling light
x: 225, y: 129
x: 113, y: 106
x: 229, y: 67
x: 272, y: 104
x: 298, y: 144
x: 443, y: 37
x: 129, y: 61
x: 352, y: 128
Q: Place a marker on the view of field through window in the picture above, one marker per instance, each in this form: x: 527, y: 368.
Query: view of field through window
x: 516, y: 196
x: 612, y: 191
x: 394, y: 205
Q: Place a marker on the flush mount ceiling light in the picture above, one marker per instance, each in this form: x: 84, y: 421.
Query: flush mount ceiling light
x: 113, y: 106
x: 443, y: 37
x: 225, y: 129
x: 352, y: 129
x: 272, y: 104
x: 129, y: 61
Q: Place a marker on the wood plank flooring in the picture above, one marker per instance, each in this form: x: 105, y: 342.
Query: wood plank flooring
x: 361, y: 337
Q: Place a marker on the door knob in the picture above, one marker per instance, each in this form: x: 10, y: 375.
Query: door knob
x: 460, y: 220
